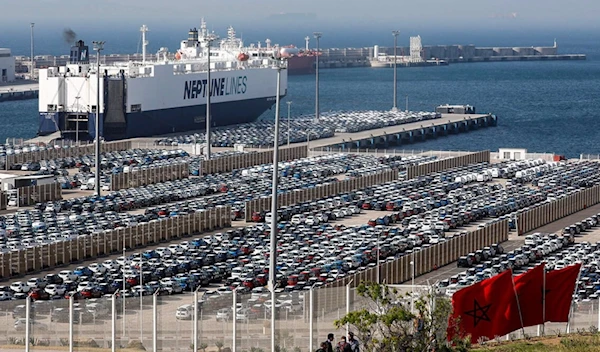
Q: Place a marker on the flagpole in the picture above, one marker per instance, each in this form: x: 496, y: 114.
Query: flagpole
x: 518, y: 305
x: 571, y: 308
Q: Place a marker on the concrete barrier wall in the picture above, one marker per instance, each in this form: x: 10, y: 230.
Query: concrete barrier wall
x: 332, y: 296
x: 38, y: 194
x: 546, y: 213
x: 21, y: 262
x: 449, y: 163
x: 238, y: 161
x: 65, y: 152
x: 143, y: 177
x: 321, y: 191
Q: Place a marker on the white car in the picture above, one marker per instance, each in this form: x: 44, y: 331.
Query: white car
x: 36, y: 283
x: 55, y: 290
x: 20, y: 287
x: 111, y: 264
x: 5, y: 296
x: 97, y: 268
x: 68, y: 275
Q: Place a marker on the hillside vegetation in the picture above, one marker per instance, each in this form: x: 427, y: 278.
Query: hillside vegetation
x: 570, y: 343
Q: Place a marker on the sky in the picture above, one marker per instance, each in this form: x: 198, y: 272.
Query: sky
x: 360, y: 12
x: 357, y: 22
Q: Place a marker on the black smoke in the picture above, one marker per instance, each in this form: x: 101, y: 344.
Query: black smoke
x: 69, y: 36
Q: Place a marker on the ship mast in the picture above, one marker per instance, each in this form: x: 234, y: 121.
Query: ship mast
x: 144, y: 30
x: 306, y: 40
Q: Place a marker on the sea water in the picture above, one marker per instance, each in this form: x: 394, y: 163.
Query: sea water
x: 543, y: 106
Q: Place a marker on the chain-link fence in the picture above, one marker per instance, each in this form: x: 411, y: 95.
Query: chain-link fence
x: 240, y: 323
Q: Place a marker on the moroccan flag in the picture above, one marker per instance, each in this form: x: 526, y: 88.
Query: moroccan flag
x: 560, y: 285
x: 529, y: 288
x: 480, y: 309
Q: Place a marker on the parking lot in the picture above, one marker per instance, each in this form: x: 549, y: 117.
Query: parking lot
x: 320, y: 240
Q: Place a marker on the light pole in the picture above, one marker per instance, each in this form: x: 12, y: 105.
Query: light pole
x: 98, y: 46
x: 195, y: 324
x: 124, y: 281
x: 141, y: 301
x: 274, y: 213
x: 289, y: 104
x: 209, y: 39
x: 378, y: 278
x: 113, y: 325
x: 412, y: 272
x: 395, y: 34
x: 308, y: 142
x: 31, y: 73
x: 317, y: 36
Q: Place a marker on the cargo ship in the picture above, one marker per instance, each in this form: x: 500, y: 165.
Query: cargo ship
x: 300, y: 62
x: 161, y: 95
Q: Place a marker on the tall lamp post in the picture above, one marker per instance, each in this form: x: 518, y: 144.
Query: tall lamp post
x: 395, y: 34
x: 209, y: 39
x: 31, y: 72
x: 317, y: 36
x: 280, y: 65
x: 98, y: 46
x: 289, y: 104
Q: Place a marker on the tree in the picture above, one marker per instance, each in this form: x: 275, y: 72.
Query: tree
x: 219, y: 345
x: 386, y: 321
x: 203, y: 346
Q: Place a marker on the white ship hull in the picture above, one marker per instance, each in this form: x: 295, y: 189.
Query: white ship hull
x: 157, y: 100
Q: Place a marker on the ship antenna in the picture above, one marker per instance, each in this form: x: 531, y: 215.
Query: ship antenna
x: 144, y: 30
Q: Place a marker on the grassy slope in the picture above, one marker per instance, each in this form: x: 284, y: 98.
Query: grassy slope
x: 572, y: 343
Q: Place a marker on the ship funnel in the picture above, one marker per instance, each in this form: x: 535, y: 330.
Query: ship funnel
x: 79, y: 53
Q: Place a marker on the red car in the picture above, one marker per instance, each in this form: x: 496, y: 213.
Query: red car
x: 38, y: 294
x: 261, y: 279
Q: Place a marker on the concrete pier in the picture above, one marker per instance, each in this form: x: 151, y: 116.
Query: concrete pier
x: 407, y: 133
x: 19, y: 90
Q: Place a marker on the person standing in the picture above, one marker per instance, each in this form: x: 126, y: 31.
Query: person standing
x: 323, y: 347
x: 329, y: 342
x: 354, y: 346
x: 342, y: 346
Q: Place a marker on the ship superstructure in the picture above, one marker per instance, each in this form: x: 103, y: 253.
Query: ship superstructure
x: 161, y: 94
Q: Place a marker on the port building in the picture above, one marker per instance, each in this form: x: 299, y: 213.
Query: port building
x: 7, y: 66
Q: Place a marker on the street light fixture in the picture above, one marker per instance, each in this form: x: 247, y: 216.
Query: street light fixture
x: 395, y: 34
x: 98, y: 46
x: 317, y: 36
x: 209, y: 39
x: 280, y: 65
x: 289, y: 104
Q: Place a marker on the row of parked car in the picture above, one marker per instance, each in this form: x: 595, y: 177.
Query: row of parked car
x: 301, y: 129
x: 555, y: 250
